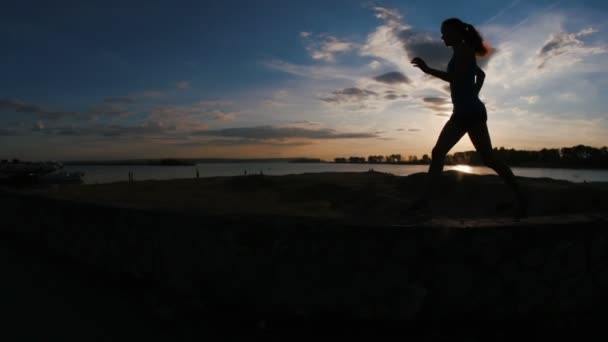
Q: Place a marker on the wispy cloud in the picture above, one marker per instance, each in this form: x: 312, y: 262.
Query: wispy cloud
x: 306, y: 123
x: 438, y: 105
x: 187, y: 117
x: 216, y: 103
x: 224, y: 116
x: 395, y: 96
x: 325, y: 47
x: 395, y: 37
x: 349, y: 95
x: 436, y: 100
x: 281, y: 133
x: 502, y: 12
x: 36, y: 110
x: 183, y: 85
x: 202, y: 141
x: 321, y: 72
x: 393, y: 77
x: 113, y: 131
x: 570, y: 46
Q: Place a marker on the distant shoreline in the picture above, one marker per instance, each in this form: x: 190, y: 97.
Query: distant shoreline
x: 187, y: 162
x: 311, y: 160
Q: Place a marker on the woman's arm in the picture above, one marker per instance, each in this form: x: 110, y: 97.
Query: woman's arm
x: 480, y: 77
x: 418, y: 62
x: 439, y: 74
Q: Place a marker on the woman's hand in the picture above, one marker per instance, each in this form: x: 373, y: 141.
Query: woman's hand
x: 420, y: 63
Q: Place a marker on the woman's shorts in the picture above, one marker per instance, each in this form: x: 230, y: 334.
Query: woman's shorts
x: 469, y: 116
x: 467, y: 122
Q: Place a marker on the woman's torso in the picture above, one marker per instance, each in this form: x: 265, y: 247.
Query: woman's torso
x: 463, y: 91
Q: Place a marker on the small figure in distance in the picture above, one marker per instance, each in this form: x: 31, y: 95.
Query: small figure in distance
x: 469, y: 114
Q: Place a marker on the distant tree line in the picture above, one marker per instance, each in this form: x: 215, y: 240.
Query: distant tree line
x: 580, y: 156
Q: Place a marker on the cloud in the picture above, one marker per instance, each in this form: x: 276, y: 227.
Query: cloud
x: 387, y: 14
x: 395, y: 96
x: 414, y: 130
x: 191, y: 116
x: 439, y: 105
x: 375, y: 64
x: 423, y: 45
x: 394, y: 77
x: 119, y: 100
x: 530, y: 99
x: 216, y: 103
x: 325, y: 47
x: 277, y: 99
x: 224, y: 116
x: 282, y: 132
x: 503, y: 11
x: 21, y: 107
x: 435, y: 100
x: 391, y: 40
x: 306, y: 123
x: 314, y: 71
x: 182, y: 85
x: 568, y: 44
x: 349, y: 95
x: 146, y: 129
x: 240, y: 142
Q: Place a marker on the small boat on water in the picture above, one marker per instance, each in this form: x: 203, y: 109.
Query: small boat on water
x: 48, y: 172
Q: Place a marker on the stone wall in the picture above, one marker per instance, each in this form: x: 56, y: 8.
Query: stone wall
x: 302, y: 267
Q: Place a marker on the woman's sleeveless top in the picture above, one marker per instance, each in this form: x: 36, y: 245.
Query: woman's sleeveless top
x: 467, y: 105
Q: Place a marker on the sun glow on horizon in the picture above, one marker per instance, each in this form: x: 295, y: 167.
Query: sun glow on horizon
x: 463, y: 168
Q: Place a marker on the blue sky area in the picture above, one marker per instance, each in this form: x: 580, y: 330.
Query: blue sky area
x: 118, y: 79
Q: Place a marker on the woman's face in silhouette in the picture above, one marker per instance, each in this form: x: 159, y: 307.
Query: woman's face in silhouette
x: 450, y: 35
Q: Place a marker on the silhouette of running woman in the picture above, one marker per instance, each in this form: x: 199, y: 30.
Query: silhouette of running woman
x: 469, y: 114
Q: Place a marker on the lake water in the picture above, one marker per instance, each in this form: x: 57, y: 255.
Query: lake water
x: 109, y: 174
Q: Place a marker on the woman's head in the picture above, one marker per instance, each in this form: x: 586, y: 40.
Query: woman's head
x: 455, y: 31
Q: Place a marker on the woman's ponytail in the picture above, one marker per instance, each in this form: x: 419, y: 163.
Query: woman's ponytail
x: 474, y: 40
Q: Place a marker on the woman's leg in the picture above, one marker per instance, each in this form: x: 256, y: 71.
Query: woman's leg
x: 449, y: 136
x: 480, y: 137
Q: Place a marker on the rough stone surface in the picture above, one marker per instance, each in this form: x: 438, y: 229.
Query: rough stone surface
x: 312, y: 267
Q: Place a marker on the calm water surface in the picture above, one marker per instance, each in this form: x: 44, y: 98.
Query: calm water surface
x: 109, y: 174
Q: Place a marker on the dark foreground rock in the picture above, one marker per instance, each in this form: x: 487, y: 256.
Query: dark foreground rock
x: 276, y: 271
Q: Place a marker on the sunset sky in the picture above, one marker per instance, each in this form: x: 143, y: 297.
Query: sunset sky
x: 276, y: 78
